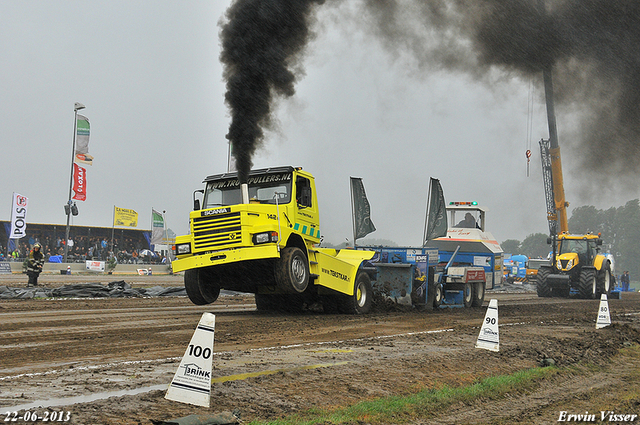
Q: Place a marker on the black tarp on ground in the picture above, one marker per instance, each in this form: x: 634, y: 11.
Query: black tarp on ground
x: 119, y: 289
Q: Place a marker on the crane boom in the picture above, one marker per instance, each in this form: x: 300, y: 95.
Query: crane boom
x: 552, y: 165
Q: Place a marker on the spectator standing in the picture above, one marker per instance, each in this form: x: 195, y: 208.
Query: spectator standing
x: 625, y: 280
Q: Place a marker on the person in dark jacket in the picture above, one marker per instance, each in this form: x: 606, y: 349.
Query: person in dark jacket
x: 34, y: 264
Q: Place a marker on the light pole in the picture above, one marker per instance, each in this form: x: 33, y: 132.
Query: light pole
x: 69, y: 208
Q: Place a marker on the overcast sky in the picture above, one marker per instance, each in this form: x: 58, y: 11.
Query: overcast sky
x: 150, y: 77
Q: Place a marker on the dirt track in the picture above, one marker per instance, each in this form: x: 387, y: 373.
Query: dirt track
x: 62, y: 348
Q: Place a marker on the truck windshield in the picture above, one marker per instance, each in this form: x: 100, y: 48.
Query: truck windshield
x: 262, y: 190
x: 572, y: 245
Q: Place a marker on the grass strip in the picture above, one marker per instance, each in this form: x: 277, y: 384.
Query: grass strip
x: 399, y: 409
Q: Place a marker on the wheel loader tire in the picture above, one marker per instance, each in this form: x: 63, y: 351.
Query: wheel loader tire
x: 478, y: 294
x: 587, y: 287
x: 292, y: 271
x: 467, y: 295
x: 438, y: 295
x: 542, y: 286
x: 192, y: 285
x: 360, y: 301
x: 605, y: 280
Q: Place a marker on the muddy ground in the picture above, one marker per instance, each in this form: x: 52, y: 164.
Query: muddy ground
x: 269, y: 365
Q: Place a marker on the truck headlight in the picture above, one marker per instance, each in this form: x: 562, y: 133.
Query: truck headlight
x: 183, y: 248
x: 265, y: 237
x: 570, y: 264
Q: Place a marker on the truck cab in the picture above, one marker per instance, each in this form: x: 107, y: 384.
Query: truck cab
x: 260, y: 237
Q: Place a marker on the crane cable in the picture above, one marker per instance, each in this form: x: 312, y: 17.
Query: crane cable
x: 529, y: 124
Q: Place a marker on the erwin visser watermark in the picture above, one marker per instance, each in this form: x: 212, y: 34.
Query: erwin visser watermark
x: 602, y: 416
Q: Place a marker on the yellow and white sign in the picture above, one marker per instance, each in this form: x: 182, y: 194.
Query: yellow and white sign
x: 125, y: 217
x: 192, y: 381
x: 604, y: 319
x: 489, y: 338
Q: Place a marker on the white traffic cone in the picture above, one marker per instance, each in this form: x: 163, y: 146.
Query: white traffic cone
x: 489, y: 337
x: 604, y: 319
x: 192, y: 381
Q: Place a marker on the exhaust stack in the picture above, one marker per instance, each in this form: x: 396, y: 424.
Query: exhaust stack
x: 245, y: 193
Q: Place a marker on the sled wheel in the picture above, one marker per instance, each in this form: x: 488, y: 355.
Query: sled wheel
x: 467, y: 295
x: 478, y: 294
x: 438, y: 295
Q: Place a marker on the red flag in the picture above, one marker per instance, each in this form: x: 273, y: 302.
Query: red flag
x: 79, y: 182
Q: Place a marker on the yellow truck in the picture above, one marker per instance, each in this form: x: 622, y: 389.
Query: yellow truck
x: 262, y: 237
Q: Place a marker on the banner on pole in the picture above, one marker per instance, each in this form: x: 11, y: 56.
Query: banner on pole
x: 79, y: 183
x: 124, y: 217
x: 18, y: 216
x: 361, y: 210
x: 82, y: 141
x: 437, y: 215
x: 157, y: 227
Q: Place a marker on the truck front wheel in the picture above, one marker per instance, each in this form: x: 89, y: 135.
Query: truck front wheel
x: 360, y: 301
x: 587, y: 285
x: 192, y: 283
x: 542, y: 285
x: 292, y: 271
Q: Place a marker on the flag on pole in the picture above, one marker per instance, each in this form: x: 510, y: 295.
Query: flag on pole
x: 82, y: 141
x: 125, y: 217
x: 362, y: 224
x: 18, y: 216
x: 79, y: 183
x: 437, y: 212
x: 157, y: 227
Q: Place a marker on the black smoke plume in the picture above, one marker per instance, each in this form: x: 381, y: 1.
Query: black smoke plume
x: 592, y: 45
x: 262, y: 41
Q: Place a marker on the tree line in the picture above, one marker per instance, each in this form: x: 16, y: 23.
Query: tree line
x: 619, y: 228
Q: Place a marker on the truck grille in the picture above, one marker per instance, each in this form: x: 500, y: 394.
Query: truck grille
x: 216, y: 232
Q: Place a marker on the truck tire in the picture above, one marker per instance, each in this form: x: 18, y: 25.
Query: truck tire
x: 438, y: 295
x: 605, y: 280
x: 587, y: 286
x: 292, y: 271
x: 467, y: 295
x: 266, y: 302
x: 360, y: 301
x: 478, y: 294
x: 191, y: 284
x: 542, y: 285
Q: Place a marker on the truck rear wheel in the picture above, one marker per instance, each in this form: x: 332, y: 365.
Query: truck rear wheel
x: 604, y: 280
x: 542, y: 285
x: 467, y: 295
x: 292, y: 271
x: 587, y: 285
x: 478, y: 294
x: 360, y: 301
x: 192, y: 285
